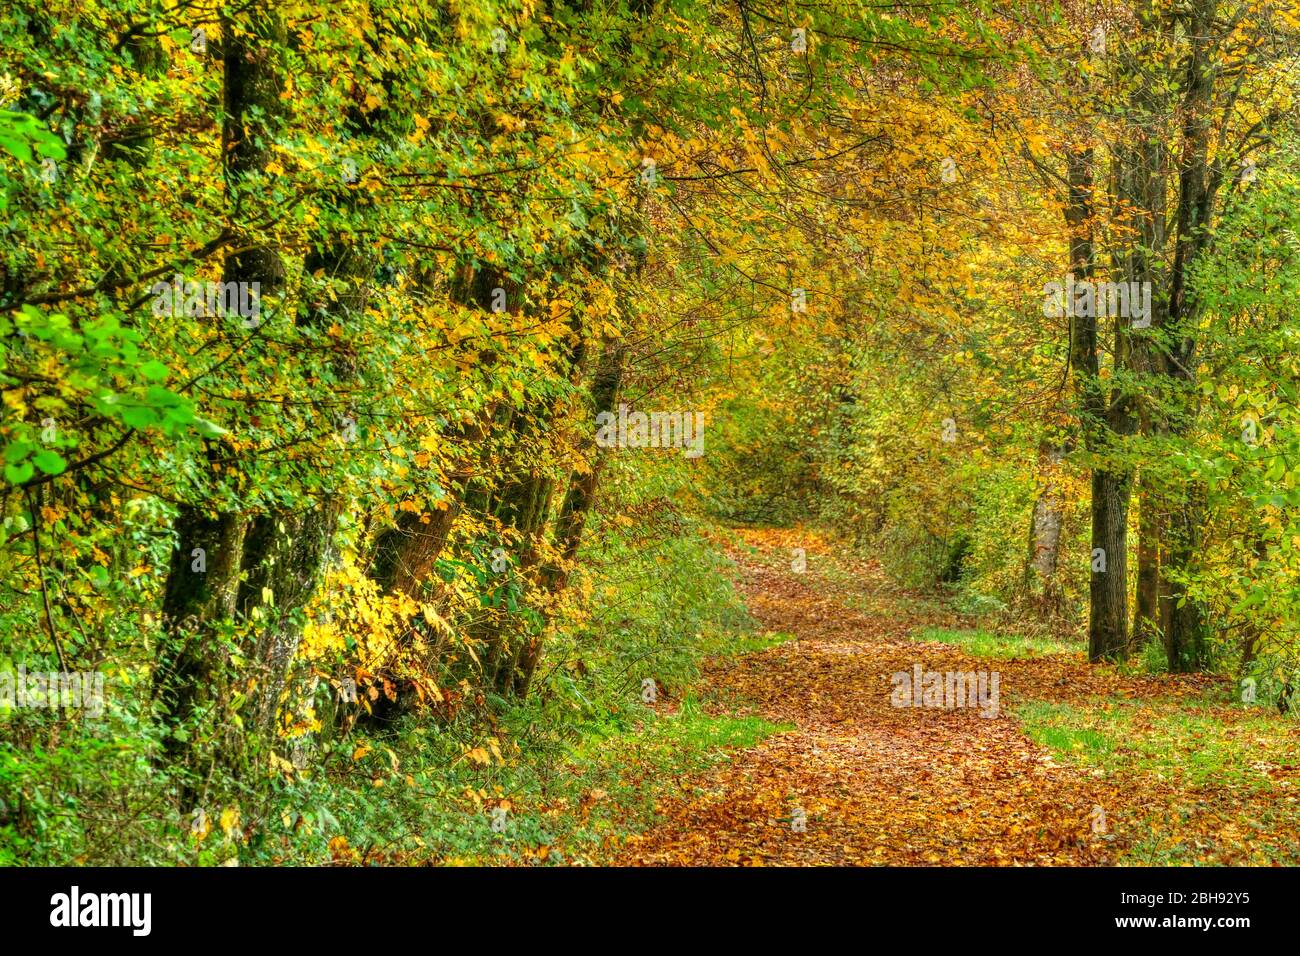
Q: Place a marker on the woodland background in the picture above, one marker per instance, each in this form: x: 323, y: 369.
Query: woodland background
x: 474, y: 226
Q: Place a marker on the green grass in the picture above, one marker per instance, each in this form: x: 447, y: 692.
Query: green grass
x: 1179, y: 747
x: 694, y: 739
x: 752, y: 643
x: 570, y: 800
x: 1183, y: 742
x: 889, y: 600
x: 634, y: 769
x: 577, y: 765
x: 981, y: 643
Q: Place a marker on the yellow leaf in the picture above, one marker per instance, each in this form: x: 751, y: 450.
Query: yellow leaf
x: 230, y: 820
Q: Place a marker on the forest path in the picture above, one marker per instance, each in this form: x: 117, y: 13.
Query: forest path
x: 877, y: 784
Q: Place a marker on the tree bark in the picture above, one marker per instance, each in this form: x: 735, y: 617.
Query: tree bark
x: 201, y: 591
x: 1187, y: 629
x: 1143, y: 191
x: 1045, y: 523
x: 1102, y: 421
x: 1108, y: 588
x: 1146, y: 611
x: 286, y: 551
x: 1198, y: 184
x: 194, y: 604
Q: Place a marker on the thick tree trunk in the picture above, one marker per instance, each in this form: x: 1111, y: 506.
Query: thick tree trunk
x: 1108, y: 587
x: 1146, y: 612
x: 284, y: 558
x: 1142, y: 182
x: 1045, y: 523
x: 1199, y: 180
x: 193, y: 607
x: 404, y: 554
x: 286, y: 552
x: 1187, y: 633
x: 201, y: 591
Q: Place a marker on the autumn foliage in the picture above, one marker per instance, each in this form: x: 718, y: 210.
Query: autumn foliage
x: 309, y: 315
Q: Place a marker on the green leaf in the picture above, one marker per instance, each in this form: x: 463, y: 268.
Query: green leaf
x: 154, y: 370
x: 137, y: 416
x: 17, y: 473
x: 50, y: 462
x: 17, y: 451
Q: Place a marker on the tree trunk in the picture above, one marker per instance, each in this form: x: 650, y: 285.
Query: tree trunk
x: 1143, y: 191
x: 525, y: 507
x: 1187, y: 634
x: 1045, y: 525
x: 1108, y: 587
x: 284, y: 557
x: 404, y: 554
x: 201, y: 591
x: 1146, y: 613
x: 572, y: 517
x: 194, y: 604
x: 1199, y: 180
x: 286, y: 552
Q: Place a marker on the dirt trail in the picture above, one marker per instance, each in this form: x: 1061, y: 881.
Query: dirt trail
x: 878, y: 784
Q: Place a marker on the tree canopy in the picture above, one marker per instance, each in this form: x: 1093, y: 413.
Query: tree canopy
x: 311, y: 317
